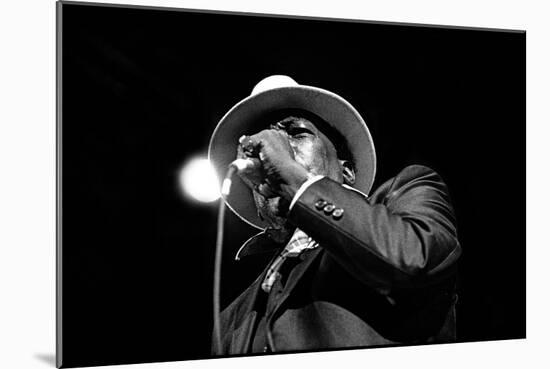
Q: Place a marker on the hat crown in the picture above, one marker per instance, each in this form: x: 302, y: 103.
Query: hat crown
x: 273, y: 82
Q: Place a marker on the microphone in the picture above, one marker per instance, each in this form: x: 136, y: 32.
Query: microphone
x: 248, y: 163
x: 238, y: 165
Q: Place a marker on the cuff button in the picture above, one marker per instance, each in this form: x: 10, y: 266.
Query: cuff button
x: 329, y: 208
x: 337, y: 213
x: 320, y: 204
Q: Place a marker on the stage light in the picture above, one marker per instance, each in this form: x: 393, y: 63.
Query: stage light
x: 198, y: 180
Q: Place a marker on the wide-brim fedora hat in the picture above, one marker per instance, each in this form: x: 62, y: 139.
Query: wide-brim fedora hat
x: 276, y: 93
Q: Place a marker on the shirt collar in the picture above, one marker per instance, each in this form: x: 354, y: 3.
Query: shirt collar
x: 258, y: 244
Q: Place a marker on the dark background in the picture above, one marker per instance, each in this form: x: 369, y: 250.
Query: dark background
x: 143, y: 89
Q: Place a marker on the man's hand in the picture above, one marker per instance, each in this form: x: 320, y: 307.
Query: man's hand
x: 279, y: 174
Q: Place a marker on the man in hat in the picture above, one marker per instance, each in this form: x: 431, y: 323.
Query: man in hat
x: 348, y: 269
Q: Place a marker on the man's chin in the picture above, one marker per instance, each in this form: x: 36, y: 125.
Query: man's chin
x: 278, y: 207
x: 272, y: 209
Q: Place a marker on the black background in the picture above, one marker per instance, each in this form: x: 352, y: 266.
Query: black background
x: 143, y: 89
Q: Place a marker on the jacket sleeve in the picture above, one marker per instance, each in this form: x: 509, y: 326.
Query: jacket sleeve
x: 404, y: 235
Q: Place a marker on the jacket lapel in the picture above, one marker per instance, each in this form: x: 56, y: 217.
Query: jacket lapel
x: 294, y: 278
x: 244, y: 328
x: 245, y: 317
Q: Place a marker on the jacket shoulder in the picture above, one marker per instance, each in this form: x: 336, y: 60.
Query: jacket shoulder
x: 410, y: 177
x: 416, y: 172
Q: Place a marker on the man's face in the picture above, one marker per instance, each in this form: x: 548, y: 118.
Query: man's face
x: 313, y: 151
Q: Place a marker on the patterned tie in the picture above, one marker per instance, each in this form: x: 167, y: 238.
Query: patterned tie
x: 297, y: 244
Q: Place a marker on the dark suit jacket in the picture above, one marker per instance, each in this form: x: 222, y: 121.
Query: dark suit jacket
x: 384, y: 272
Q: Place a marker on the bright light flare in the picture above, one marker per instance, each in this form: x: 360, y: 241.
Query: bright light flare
x: 199, y: 181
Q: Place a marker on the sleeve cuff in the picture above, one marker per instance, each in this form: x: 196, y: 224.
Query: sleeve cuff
x: 303, y: 188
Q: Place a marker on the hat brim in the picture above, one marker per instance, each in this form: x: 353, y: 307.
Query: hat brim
x: 244, y: 117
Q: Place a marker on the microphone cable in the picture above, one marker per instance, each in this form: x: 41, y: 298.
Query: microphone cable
x: 226, y: 185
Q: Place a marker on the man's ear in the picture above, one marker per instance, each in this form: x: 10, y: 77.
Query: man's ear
x: 348, y: 172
